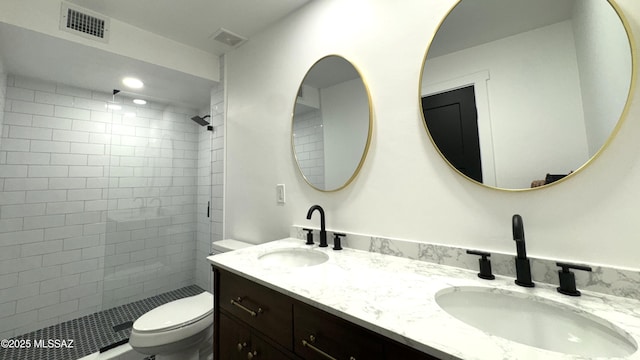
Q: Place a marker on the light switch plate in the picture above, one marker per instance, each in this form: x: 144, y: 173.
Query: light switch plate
x: 280, y: 194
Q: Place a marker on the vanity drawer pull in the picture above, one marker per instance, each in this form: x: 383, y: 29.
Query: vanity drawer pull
x: 313, y: 339
x: 251, y: 355
x: 241, y: 346
x: 251, y: 312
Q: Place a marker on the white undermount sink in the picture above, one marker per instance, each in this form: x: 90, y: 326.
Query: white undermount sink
x: 293, y: 257
x: 536, y: 322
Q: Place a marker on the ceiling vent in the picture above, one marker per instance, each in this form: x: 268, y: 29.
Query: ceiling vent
x: 228, y: 38
x: 85, y: 23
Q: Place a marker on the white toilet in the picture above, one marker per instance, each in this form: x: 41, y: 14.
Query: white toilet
x: 180, y: 329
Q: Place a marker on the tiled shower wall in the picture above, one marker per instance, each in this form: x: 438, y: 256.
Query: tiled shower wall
x: 210, y: 183
x: 59, y: 246
x: 309, y: 146
x: 3, y: 96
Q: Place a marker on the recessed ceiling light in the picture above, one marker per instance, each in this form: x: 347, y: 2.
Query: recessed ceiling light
x: 133, y: 82
x: 114, y: 107
x: 139, y: 102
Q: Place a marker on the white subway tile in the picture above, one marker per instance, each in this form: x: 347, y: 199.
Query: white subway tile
x: 96, y: 205
x: 17, y: 119
x: 7, y: 309
x: 19, y: 292
x: 8, y: 144
x: 93, y: 252
x: 27, y: 158
x: 79, y: 267
x: 21, y: 210
x: 54, y: 311
x: 96, y: 138
x: 86, y: 171
x: 102, y: 160
x: 83, y: 218
x: 99, y: 183
x: 48, y: 171
x: 19, y: 264
x: 49, y: 146
x: 7, y: 281
x: 14, y: 93
x: 36, y: 302
x: 85, y: 194
x: 89, y: 149
x: 68, y: 159
x: 38, y: 196
x: 81, y: 242
x: 79, y: 291
x: 12, y: 197
x: 53, y: 99
x: 31, y: 108
x: 72, y: 136
x: 65, y: 207
x: 42, y: 222
x: 38, y: 274
x: 101, y: 116
x: 89, y: 126
x: 63, y: 232
x: 51, y: 122
x: 23, y: 132
x: 10, y: 225
x: 59, y: 283
x: 118, y: 150
x: 62, y: 257
x: 94, y: 229
x: 72, y: 113
x: 18, y: 320
x: 67, y: 183
x: 40, y: 248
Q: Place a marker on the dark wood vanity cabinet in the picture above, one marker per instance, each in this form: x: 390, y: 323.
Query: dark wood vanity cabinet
x: 255, y: 322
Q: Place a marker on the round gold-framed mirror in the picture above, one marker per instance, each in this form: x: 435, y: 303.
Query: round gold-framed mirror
x: 520, y: 94
x: 332, y: 123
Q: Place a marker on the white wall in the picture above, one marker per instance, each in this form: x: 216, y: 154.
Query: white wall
x: 536, y: 117
x: 44, y: 16
x: 345, y: 113
x: 601, y: 44
x: 405, y: 190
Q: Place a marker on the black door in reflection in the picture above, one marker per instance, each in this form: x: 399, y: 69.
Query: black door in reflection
x: 452, y: 120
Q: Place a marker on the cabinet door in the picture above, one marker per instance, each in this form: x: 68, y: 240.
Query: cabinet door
x: 321, y: 336
x: 259, y: 307
x: 234, y: 339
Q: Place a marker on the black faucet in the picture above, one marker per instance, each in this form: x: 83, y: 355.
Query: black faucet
x: 523, y: 268
x: 323, y: 232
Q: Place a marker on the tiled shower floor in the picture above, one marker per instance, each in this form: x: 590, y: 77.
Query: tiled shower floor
x: 92, y: 332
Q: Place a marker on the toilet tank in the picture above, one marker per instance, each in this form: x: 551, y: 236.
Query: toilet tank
x: 222, y: 246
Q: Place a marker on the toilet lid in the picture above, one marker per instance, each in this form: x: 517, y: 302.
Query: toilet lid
x: 176, y: 314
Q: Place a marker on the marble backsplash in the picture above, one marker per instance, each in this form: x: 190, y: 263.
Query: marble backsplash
x: 602, y: 279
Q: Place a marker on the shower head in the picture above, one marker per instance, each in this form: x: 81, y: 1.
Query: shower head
x: 201, y: 120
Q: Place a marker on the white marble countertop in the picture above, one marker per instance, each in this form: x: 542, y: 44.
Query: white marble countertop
x: 395, y: 297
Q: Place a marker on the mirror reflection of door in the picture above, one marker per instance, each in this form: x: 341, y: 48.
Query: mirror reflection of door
x: 452, y: 121
x: 551, y: 79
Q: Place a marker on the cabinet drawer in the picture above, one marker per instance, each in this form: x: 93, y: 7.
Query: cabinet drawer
x: 322, y: 336
x: 261, y: 308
